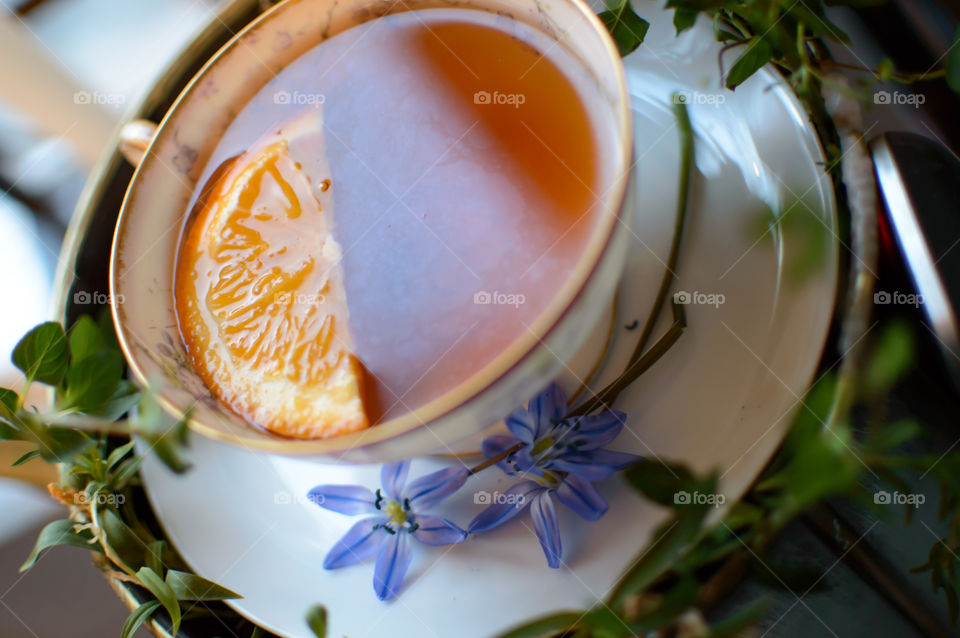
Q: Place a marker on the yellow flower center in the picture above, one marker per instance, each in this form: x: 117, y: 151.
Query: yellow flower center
x: 543, y: 444
x: 396, y: 513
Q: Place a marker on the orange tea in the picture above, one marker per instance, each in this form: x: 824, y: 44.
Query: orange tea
x: 384, y: 217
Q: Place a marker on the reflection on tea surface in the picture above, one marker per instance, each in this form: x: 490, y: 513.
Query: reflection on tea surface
x: 438, y: 178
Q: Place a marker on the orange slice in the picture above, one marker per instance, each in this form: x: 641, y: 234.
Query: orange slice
x: 260, y: 293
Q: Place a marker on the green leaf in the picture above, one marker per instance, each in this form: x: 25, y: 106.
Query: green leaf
x: 813, y: 411
x: 817, y: 22
x: 600, y: 622
x: 659, y: 482
x: 890, y: 360
x: 676, y: 600
x: 7, y: 432
x: 167, y: 438
x: 58, y: 445
x: 126, y: 472
x: 93, y: 380
x: 8, y: 409
x: 60, y: 533
x: 953, y: 63
x: 671, y: 541
x: 192, y: 587
x: 816, y: 463
x: 107, y: 331
x: 85, y: 339
x: 125, y: 396
x: 125, y: 543
x: 29, y: 456
x: 140, y: 615
x: 8, y: 399
x: 317, y: 621
x: 152, y: 581
x: 117, y: 455
x: 888, y: 437
x: 885, y: 69
x: 154, y: 556
x: 627, y: 28
x: 560, y: 623
x: 55, y: 444
x: 42, y: 353
x: 757, y: 54
x: 684, y: 19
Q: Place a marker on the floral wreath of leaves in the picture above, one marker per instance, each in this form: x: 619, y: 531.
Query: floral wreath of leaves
x: 685, y: 564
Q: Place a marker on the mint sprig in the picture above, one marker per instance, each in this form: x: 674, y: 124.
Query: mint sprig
x: 85, y: 369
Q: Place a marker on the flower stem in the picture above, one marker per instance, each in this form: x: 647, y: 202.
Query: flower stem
x: 639, y: 361
x: 686, y: 162
x: 896, y: 76
x: 609, y: 394
x: 604, y: 352
x: 496, y: 459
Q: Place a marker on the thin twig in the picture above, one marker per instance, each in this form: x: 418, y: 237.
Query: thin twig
x: 495, y: 460
x: 686, y: 162
x: 640, y: 362
x: 604, y: 352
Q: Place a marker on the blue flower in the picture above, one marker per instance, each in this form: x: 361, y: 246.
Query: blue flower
x: 394, y: 522
x: 552, y: 441
x: 561, y: 457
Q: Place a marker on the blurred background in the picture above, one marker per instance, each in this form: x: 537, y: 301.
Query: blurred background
x: 71, y: 69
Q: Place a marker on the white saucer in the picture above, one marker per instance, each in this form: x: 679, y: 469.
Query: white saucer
x: 722, y: 398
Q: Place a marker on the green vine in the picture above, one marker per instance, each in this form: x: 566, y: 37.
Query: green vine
x: 97, y: 475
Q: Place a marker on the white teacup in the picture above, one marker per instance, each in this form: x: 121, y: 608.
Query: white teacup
x: 157, y: 201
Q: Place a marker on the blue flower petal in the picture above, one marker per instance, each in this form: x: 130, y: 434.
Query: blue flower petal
x: 544, y: 516
x: 392, y: 564
x: 520, y: 463
x: 581, y: 468
x: 498, y: 444
x: 392, y: 477
x: 345, y: 499
x: 433, y: 530
x: 360, y: 542
x: 594, y: 465
x: 522, y: 425
x: 582, y: 497
x: 546, y: 408
x: 508, y: 505
x: 598, y: 430
x: 431, y: 489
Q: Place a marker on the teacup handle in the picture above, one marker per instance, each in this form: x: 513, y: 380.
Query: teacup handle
x: 135, y: 139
